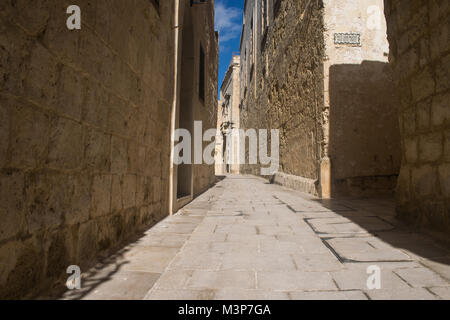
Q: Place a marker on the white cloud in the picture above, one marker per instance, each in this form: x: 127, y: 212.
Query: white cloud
x: 228, y: 22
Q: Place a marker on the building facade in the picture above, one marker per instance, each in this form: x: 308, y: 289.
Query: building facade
x: 357, y: 114
x: 86, y: 118
x: 228, y: 121
x: 318, y: 72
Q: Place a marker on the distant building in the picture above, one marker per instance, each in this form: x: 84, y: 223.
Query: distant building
x: 228, y: 121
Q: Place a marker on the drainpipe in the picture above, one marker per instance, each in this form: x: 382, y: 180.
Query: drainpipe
x: 173, y: 114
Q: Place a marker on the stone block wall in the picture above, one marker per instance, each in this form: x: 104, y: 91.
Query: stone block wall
x: 84, y: 122
x: 334, y: 103
x: 286, y: 90
x: 419, y: 36
x: 206, y: 111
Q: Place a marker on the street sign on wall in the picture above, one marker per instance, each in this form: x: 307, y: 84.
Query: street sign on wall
x: 347, y: 38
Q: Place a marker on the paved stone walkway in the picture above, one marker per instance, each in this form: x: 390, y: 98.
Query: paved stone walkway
x: 247, y: 239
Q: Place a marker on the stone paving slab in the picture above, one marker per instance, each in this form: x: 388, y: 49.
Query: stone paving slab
x: 442, y: 292
x: 295, y: 280
x: 247, y: 239
x: 354, y: 276
x: 402, y: 294
x: 126, y: 285
x: 421, y: 278
x: 148, y: 259
x: 366, y: 249
x: 180, y: 294
x: 329, y: 295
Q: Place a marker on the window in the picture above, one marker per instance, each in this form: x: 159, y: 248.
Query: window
x: 201, y: 82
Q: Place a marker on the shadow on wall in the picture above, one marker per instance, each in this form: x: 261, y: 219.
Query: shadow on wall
x: 364, y: 137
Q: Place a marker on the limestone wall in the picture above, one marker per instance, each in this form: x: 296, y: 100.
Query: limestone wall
x: 285, y: 91
x: 84, y: 122
x: 419, y: 36
x: 205, y: 111
x: 334, y: 103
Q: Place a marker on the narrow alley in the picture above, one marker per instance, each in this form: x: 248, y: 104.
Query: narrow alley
x: 224, y: 150
x: 248, y: 239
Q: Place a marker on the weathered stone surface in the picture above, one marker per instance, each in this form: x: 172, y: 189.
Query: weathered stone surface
x: 95, y: 107
x: 403, y: 294
x: 11, y: 204
x: 422, y: 25
x: 116, y: 191
x: 430, y: 147
x: 440, y: 111
x: 80, y: 188
x: 71, y: 93
x: 411, y: 150
x: 128, y: 286
x: 118, y: 155
x: 422, y: 85
x: 442, y: 76
x: 40, y: 77
x: 66, y: 144
x: 444, y: 177
x: 21, y: 270
x: 129, y: 188
x: 81, y: 111
x: 334, y: 104
x: 47, y: 199
x: 443, y: 293
x: 422, y: 277
x: 29, y: 137
x: 328, y: 295
x: 423, y: 115
x: 447, y: 146
x: 222, y: 280
x: 101, y: 195
x: 97, y: 150
x: 87, y: 241
x: 4, y: 131
x: 60, y: 253
x: 424, y: 180
x: 276, y: 91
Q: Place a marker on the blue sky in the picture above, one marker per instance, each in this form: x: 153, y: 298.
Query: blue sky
x: 229, y: 24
